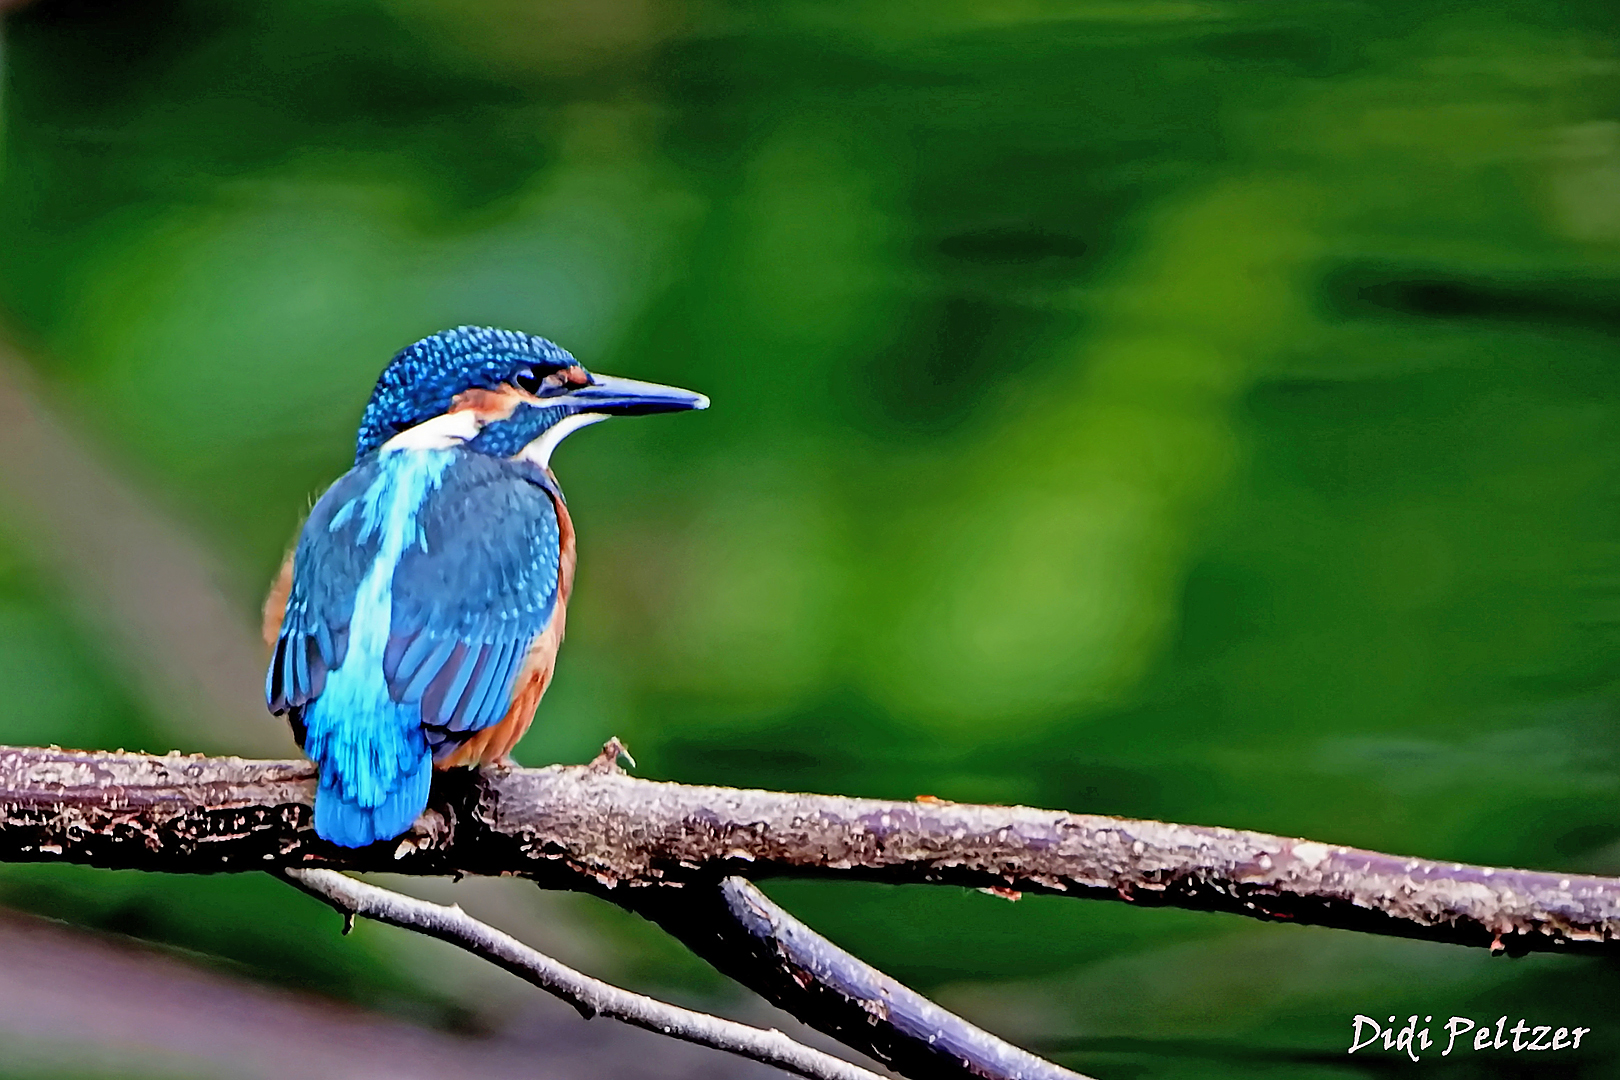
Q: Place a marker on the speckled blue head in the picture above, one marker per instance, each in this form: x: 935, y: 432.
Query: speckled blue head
x: 537, y: 394
x: 422, y: 379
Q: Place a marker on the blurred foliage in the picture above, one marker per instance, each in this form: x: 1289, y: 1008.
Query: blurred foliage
x: 1196, y: 410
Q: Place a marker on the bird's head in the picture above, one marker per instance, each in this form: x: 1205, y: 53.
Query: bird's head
x: 499, y: 392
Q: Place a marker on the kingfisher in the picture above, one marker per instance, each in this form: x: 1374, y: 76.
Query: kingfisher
x: 415, y: 625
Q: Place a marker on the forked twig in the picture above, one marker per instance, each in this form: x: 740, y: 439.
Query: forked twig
x: 591, y: 997
x: 748, y: 936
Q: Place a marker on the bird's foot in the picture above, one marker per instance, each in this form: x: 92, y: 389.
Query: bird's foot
x: 428, y: 832
x: 608, y: 760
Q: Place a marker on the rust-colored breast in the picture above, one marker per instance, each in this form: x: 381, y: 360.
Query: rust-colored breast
x: 275, y: 604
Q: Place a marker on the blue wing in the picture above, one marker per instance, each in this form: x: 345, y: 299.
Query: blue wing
x: 471, y: 598
x: 327, y: 569
x: 420, y: 581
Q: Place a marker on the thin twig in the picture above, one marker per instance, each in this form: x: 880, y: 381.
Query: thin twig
x: 591, y: 997
x: 749, y: 937
x: 597, y: 830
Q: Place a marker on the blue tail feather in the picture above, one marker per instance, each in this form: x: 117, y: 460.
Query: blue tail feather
x: 342, y: 820
x: 375, y: 768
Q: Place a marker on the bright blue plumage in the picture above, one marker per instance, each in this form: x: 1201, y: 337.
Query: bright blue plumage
x: 426, y: 574
x: 472, y: 598
x: 421, y: 578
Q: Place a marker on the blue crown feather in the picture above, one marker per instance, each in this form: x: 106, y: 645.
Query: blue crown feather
x: 424, y: 377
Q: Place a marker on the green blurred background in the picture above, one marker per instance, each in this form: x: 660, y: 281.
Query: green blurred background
x: 1206, y: 411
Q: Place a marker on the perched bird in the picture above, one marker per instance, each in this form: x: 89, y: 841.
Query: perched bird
x: 416, y: 623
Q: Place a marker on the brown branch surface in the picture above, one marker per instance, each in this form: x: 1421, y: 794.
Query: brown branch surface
x: 594, y: 829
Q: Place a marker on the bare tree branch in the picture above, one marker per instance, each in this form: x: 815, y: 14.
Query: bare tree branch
x: 591, y: 997
x: 746, y: 935
x: 593, y: 829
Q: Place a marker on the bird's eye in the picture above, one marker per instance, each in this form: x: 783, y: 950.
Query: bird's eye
x: 527, y: 381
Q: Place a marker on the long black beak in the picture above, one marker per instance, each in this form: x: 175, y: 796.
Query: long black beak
x: 627, y: 397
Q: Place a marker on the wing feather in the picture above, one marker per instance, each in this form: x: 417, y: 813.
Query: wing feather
x: 472, y: 596
x: 412, y: 683
x: 467, y: 599
x: 331, y: 558
x: 482, y: 699
x: 492, y: 670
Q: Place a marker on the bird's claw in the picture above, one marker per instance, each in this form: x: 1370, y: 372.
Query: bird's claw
x: 431, y: 830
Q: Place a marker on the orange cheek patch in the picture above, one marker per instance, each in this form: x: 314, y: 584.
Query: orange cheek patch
x: 490, y: 405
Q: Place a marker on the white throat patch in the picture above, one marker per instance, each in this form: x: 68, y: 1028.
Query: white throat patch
x: 540, y: 450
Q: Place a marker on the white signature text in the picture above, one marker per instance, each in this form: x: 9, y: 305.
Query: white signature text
x: 1460, y: 1032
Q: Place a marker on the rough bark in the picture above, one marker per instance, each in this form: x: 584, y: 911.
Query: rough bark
x: 591, y: 828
